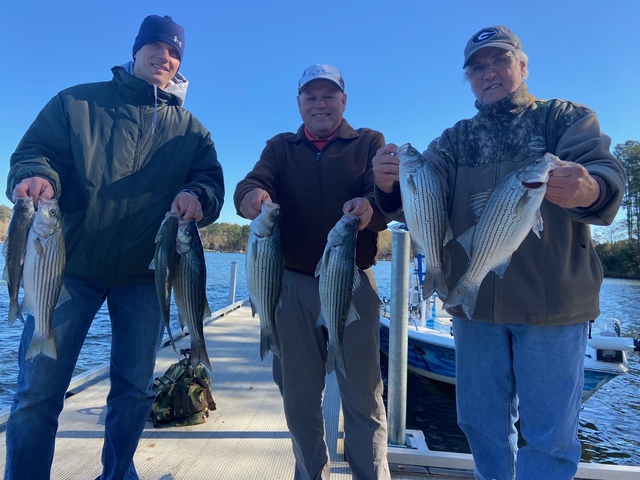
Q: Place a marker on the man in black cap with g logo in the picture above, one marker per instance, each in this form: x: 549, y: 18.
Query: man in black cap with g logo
x: 117, y: 156
x: 520, y: 348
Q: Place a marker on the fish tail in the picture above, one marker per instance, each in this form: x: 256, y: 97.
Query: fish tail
x: 331, y: 359
x: 199, y: 354
x: 429, y: 285
x: 441, y: 287
x: 14, y: 312
x: 341, y: 367
x: 42, y: 345
x: 335, y: 361
x: 269, y: 341
x: 464, y: 294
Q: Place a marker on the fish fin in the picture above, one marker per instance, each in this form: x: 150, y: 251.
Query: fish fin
x: 207, y: 310
x: 64, y: 296
x: 357, y: 281
x: 500, y: 269
x: 42, y: 345
x: 182, y: 324
x: 324, y: 260
x: 5, y: 272
x: 269, y: 341
x: 170, y: 335
x: 321, y: 322
x: 14, y: 312
x: 152, y: 265
x: 25, y: 306
x: 352, y: 315
x: 478, y: 202
x: 37, y: 244
x: 466, y: 240
x: 537, y: 224
x: 253, y: 308
x: 464, y: 294
x: 448, y: 236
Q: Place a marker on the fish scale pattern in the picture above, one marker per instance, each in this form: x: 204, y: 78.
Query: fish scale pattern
x: 337, y: 281
x: 265, y: 267
x: 425, y: 215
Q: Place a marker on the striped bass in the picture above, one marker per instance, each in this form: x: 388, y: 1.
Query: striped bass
x: 14, y: 249
x: 510, y: 212
x: 425, y: 212
x: 264, y: 268
x: 189, y: 289
x: 164, y: 264
x: 44, y: 263
x: 339, y: 277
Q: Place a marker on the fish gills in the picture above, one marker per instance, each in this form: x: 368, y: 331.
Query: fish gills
x: 264, y: 268
x: 338, y: 278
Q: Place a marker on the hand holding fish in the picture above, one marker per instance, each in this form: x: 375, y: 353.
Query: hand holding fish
x: 34, y: 187
x: 188, y: 206
x: 251, y: 204
x: 361, y: 208
x: 571, y: 186
x: 386, y: 168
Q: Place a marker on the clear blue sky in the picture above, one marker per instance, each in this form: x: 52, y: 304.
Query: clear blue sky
x: 401, y: 60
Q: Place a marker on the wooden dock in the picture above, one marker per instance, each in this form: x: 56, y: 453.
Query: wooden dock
x: 246, y: 438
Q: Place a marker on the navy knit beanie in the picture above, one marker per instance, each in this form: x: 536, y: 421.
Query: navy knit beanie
x: 155, y: 28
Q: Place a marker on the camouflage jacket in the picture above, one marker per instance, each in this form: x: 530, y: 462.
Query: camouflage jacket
x: 553, y: 280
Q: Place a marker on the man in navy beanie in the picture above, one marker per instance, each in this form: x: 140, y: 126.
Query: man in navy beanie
x: 117, y: 156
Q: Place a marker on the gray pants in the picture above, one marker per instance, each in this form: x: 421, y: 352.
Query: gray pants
x: 301, y: 372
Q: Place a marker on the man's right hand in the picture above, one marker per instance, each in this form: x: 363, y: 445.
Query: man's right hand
x: 386, y: 168
x: 251, y: 204
x: 34, y: 187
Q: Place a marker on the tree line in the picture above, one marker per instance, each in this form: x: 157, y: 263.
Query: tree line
x: 618, y: 246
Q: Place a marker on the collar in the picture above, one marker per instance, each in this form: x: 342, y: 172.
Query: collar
x: 512, y: 104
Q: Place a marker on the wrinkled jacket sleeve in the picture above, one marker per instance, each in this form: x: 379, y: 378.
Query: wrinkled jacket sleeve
x: 390, y: 204
x: 584, y: 143
x: 44, y: 150
x: 207, y: 179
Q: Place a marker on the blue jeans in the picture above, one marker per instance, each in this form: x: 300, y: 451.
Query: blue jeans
x: 137, y: 328
x: 535, y: 373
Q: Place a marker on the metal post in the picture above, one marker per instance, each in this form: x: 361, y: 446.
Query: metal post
x: 232, y: 283
x: 398, y: 338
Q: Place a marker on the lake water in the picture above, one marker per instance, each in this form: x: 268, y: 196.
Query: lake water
x: 609, y: 422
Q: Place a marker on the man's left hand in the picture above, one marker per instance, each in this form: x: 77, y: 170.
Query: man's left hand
x: 571, y: 186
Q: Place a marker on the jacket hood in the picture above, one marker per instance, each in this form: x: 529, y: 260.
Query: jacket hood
x: 177, y: 86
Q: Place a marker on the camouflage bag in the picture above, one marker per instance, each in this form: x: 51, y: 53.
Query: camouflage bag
x: 183, y: 394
